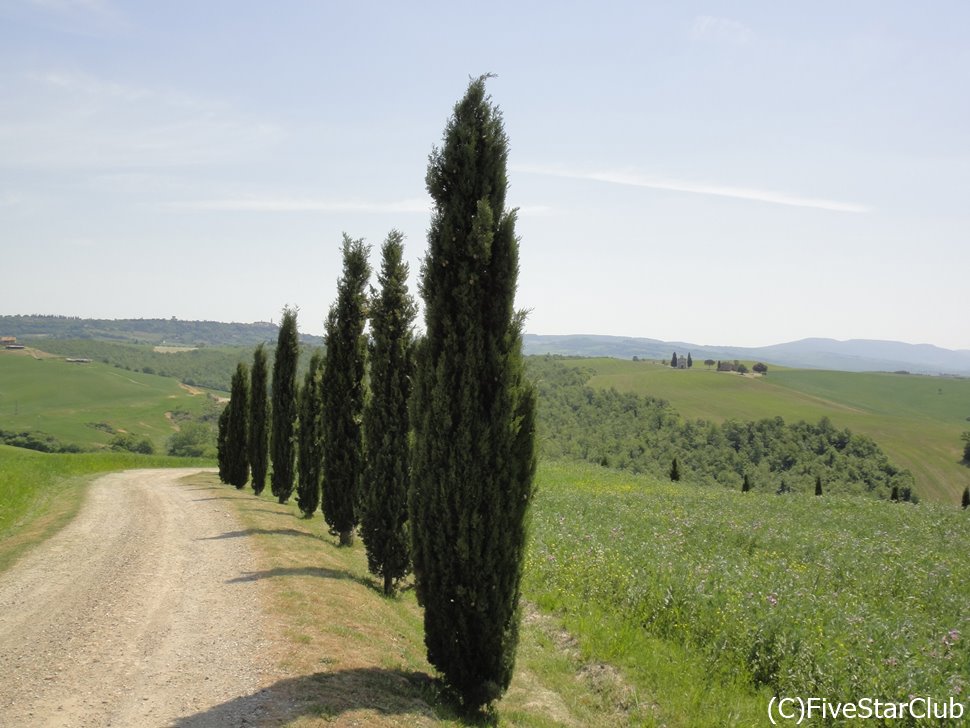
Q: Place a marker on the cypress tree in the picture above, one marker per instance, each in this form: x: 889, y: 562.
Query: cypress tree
x: 690, y: 362
x: 284, y: 406
x: 222, y: 443
x: 746, y: 484
x: 966, y: 498
x: 343, y: 394
x: 310, y: 445
x: 237, y: 444
x: 675, y: 471
x: 673, y: 360
x: 384, y: 501
x: 474, y: 413
x: 258, y: 426
x: 818, y: 485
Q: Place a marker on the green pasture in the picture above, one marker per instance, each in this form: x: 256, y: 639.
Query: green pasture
x: 83, y: 404
x: 916, y: 420
x: 711, y: 601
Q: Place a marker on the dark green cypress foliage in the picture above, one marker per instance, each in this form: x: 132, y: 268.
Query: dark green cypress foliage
x: 690, y: 362
x: 675, y: 471
x: 284, y: 407
x: 894, y: 494
x: 310, y: 450
x: 222, y: 443
x: 966, y: 498
x: 746, y: 484
x: 474, y: 413
x: 384, y: 501
x: 343, y: 394
x: 818, y: 485
x: 673, y: 360
x: 258, y: 424
x: 237, y: 442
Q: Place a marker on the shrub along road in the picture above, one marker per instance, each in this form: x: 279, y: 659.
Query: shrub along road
x: 134, y: 614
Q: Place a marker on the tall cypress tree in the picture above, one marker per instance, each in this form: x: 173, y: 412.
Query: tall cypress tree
x: 284, y: 406
x: 258, y: 426
x: 343, y: 394
x: 474, y: 412
x: 222, y: 443
x: 384, y: 501
x: 310, y: 450
x: 237, y: 443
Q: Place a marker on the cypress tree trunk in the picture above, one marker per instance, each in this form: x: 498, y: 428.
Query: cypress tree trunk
x: 237, y: 471
x: 384, y: 501
x: 343, y: 394
x: 284, y: 406
x: 258, y: 432
x: 474, y: 413
x: 310, y: 451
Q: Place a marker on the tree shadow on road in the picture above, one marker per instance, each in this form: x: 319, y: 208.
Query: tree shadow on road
x: 262, y: 532
x: 318, y: 571
x: 371, y: 691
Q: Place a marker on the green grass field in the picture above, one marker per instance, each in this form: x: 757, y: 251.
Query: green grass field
x: 83, y: 403
x: 714, y: 600
x: 917, y: 420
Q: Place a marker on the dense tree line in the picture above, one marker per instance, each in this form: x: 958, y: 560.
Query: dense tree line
x: 145, y: 331
x: 643, y: 434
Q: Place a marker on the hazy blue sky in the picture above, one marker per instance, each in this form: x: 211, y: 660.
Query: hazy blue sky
x: 738, y: 173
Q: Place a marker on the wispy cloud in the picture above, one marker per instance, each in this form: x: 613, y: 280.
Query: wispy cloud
x: 309, y: 204
x: 280, y: 204
x: 631, y: 179
x: 71, y: 119
x: 708, y: 27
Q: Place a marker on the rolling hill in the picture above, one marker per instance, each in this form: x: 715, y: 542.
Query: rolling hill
x: 87, y: 404
x: 857, y: 355
x: 917, y: 420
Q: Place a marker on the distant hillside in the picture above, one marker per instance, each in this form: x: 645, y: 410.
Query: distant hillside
x: 146, y: 331
x: 855, y: 355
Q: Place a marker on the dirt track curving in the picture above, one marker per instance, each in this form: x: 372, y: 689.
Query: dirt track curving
x: 135, y: 614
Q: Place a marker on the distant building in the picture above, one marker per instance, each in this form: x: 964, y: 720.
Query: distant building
x: 681, y: 362
x: 7, y: 340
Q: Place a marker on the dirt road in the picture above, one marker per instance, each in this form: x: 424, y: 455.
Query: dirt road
x: 135, y: 615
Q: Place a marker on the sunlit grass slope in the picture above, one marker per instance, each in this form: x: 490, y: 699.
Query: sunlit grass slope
x: 82, y: 403
x: 713, y: 600
x: 917, y: 420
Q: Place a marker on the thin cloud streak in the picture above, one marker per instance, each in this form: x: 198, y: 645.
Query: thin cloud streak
x: 255, y: 204
x: 299, y: 205
x: 658, y: 183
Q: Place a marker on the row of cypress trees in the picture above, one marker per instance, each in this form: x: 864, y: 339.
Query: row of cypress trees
x: 440, y: 478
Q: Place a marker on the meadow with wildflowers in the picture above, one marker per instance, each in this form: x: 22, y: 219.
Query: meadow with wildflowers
x: 838, y: 596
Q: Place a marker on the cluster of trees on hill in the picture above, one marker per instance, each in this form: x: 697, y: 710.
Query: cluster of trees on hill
x: 644, y: 434
x: 153, y: 331
x: 439, y: 477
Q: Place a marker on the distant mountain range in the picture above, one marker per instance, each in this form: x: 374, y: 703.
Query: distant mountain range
x: 855, y: 355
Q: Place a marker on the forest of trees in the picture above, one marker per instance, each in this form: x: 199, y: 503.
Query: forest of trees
x: 643, y: 434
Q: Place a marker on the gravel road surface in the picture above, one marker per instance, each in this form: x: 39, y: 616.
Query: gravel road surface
x: 135, y: 614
